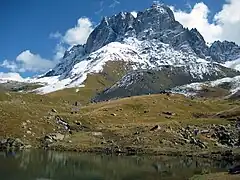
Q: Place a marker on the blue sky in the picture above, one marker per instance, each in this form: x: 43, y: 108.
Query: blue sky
x: 31, y: 24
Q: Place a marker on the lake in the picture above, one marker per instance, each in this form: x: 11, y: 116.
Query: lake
x: 50, y: 165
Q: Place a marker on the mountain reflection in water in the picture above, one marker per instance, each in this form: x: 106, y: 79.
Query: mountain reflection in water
x: 50, y: 165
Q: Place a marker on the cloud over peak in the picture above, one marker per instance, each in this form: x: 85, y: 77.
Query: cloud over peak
x: 225, y: 24
x: 79, y: 33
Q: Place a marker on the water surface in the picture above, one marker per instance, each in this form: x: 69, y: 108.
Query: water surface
x: 50, y: 165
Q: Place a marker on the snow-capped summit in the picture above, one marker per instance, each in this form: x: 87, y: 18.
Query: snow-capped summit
x: 149, y: 40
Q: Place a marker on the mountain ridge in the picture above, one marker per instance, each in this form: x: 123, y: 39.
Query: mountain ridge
x: 148, y: 41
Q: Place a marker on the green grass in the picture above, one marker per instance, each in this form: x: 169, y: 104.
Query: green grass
x: 95, y: 83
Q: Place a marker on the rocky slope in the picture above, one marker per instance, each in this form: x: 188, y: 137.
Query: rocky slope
x: 231, y: 85
x: 154, y: 81
x: 149, y: 41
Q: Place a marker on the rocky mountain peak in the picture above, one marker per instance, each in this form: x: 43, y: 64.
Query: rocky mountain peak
x: 153, y: 20
x: 152, y: 39
x: 109, y: 30
x: 156, y: 23
x: 224, y: 51
x: 76, y: 49
x: 162, y: 9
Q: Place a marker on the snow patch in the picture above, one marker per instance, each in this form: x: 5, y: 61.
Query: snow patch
x: 143, y: 54
x: 233, y: 64
x: 5, y: 77
x: 134, y: 13
x: 191, y: 89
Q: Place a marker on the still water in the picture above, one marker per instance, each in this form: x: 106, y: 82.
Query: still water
x: 42, y: 165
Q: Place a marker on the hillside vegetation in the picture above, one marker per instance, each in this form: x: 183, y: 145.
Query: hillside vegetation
x: 142, y: 124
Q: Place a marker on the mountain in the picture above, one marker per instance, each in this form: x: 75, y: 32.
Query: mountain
x: 153, y: 81
x: 224, y: 51
x: 225, y: 87
x: 138, y: 45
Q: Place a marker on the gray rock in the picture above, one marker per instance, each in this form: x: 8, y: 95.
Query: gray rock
x: 205, y: 131
x: 54, y: 110
x: 11, y: 143
x: 97, y: 133
x: 113, y: 114
x: 155, y: 128
x: 78, y: 123
x: 54, y: 137
x: 169, y: 113
x: 24, y: 124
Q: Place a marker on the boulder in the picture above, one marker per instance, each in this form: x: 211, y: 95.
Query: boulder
x: 198, y: 143
x: 11, y: 143
x: 54, y: 137
x: 78, y: 123
x: 97, y: 133
x: 77, y: 103
x: 156, y: 128
x: 54, y: 110
x: 205, y: 131
x: 24, y: 124
x: 169, y: 113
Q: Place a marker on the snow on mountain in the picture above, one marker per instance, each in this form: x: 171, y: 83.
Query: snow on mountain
x: 5, y: 77
x: 148, y: 39
x: 235, y: 64
x: 191, y: 89
x: 143, y: 55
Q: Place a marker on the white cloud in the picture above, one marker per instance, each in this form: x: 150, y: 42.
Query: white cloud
x: 73, y: 36
x: 198, y: 18
x: 59, y: 51
x: 134, y: 13
x: 229, y: 20
x: 233, y: 64
x: 10, y: 76
x: 79, y: 33
x: 224, y: 26
x: 27, y: 61
x: 11, y: 65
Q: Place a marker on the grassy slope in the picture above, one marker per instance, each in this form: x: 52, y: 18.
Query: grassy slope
x: 17, y: 108
x: 124, y: 122
x: 127, y: 122
x: 213, y: 92
x: 94, y: 83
